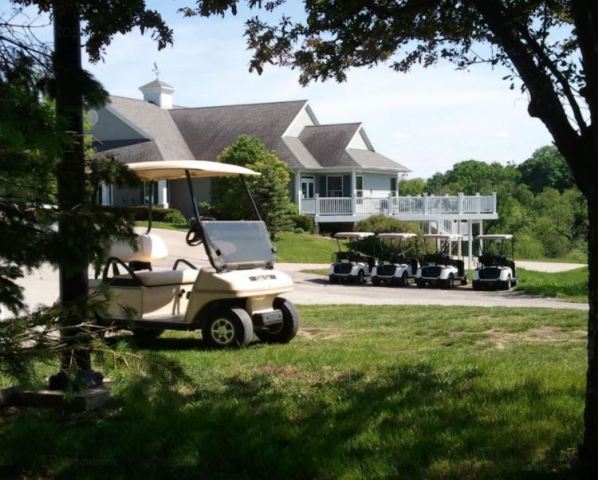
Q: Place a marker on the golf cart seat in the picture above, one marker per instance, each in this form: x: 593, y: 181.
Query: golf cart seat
x: 139, y: 271
x: 150, y: 248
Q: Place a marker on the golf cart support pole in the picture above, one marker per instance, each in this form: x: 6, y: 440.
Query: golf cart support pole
x: 253, y: 204
x: 198, y: 221
x: 151, y: 204
x: 193, y: 200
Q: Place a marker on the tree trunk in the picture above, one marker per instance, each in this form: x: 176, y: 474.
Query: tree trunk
x: 71, y: 194
x: 589, y: 450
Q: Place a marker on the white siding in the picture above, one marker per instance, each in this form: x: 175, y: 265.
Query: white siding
x: 376, y: 185
x: 301, y: 121
x: 358, y: 142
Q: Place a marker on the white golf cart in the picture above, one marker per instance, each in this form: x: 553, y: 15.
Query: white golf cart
x: 237, y: 296
x: 495, y: 271
x: 439, y: 269
x: 394, y: 267
x: 350, y: 265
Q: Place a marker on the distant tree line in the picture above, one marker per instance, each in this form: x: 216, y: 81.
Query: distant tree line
x: 537, y: 201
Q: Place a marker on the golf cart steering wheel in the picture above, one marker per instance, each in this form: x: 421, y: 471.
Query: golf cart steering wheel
x: 193, y: 237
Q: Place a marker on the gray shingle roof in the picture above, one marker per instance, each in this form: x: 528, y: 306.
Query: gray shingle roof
x: 156, y: 123
x: 203, y: 133
x: 209, y: 130
x: 130, y: 151
x: 374, y: 160
x: 328, y: 143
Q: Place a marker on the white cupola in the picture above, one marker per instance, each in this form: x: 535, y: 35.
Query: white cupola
x: 159, y: 93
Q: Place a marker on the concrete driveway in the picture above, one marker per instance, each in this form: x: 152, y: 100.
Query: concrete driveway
x: 41, y: 286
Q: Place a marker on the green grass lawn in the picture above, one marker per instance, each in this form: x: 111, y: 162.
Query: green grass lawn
x: 363, y: 392
x: 571, y: 285
x: 291, y: 247
x: 304, y: 248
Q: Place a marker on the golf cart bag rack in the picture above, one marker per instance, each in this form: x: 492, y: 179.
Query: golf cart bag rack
x: 431, y: 271
x: 490, y: 260
x: 489, y: 273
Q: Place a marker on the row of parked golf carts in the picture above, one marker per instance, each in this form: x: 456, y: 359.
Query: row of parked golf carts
x: 393, y: 265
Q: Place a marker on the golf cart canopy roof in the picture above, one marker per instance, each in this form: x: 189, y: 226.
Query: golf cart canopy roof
x: 495, y: 236
x: 353, y: 235
x: 443, y: 236
x: 175, y: 169
x: 397, y: 235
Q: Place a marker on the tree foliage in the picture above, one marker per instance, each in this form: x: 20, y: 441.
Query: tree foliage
x: 270, y: 189
x: 546, y: 168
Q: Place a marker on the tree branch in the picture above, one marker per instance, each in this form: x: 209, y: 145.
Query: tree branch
x: 545, y: 103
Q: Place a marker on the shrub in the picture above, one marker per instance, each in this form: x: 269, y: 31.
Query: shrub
x: 385, y: 224
x: 298, y: 230
x: 303, y: 222
x: 140, y: 213
x: 176, y: 217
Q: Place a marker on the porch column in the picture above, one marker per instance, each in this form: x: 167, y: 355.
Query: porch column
x: 353, y: 192
x: 470, y: 243
x: 298, y: 189
x: 163, y: 193
x: 106, y: 193
x: 481, y: 233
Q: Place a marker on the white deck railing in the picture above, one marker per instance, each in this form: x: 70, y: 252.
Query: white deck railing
x: 423, y: 205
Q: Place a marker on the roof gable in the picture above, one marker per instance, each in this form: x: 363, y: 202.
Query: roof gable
x: 328, y: 143
x: 209, y: 130
x: 157, y: 125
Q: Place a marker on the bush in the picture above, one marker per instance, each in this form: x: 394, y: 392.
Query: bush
x: 176, y: 218
x: 303, y: 222
x: 298, y: 230
x: 385, y: 224
x: 140, y: 213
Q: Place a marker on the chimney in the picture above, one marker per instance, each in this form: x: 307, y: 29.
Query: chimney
x: 159, y: 93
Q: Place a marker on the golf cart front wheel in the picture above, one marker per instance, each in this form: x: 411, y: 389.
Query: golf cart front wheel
x: 420, y: 283
x: 227, y: 328
x: 285, y: 331
x: 360, y: 277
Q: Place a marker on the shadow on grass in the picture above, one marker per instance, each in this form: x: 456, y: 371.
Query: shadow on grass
x: 404, y: 422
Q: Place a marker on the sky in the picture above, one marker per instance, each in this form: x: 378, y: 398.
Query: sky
x: 427, y: 119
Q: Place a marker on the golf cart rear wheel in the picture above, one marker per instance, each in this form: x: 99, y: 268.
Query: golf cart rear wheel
x: 403, y: 280
x: 227, y: 328
x: 332, y: 279
x: 420, y: 283
x: 360, y: 277
x: 285, y: 331
x: 147, y: 333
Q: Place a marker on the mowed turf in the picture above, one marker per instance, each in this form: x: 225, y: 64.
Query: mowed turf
x: 363, y: 392
x: 571, y: 285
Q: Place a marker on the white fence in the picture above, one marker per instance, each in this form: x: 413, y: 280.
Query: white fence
x: 423, y: 205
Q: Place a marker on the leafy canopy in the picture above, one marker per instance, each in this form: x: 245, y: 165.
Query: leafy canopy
x: 270, y: 189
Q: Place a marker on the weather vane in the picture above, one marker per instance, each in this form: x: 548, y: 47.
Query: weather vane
x: 156, y: 71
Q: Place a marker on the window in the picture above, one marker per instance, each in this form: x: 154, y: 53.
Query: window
x: 359, y: 186
x: 393, y: 186
x: 145, y: 193
x: 334, y: 186
x: 308, y: 185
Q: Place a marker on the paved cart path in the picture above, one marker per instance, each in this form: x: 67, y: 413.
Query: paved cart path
x: 41, y: 286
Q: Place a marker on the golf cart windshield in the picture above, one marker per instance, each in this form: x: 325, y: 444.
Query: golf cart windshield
x: 238, y: 245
